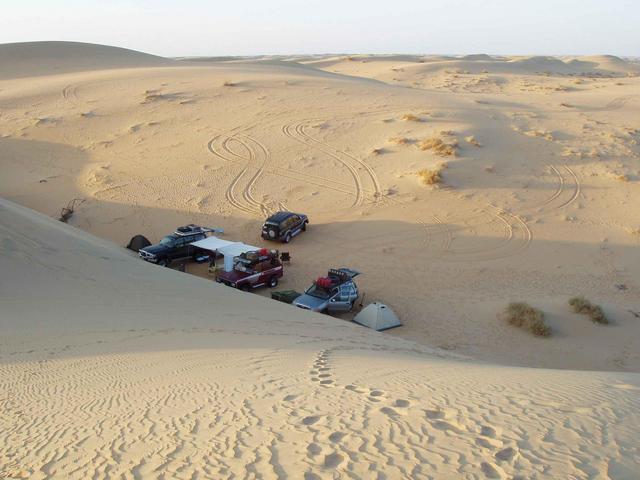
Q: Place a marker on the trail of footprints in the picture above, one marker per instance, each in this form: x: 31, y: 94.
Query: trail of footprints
x: 442, y: 420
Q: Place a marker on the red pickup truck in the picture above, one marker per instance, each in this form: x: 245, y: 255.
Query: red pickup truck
x: 252, y: 270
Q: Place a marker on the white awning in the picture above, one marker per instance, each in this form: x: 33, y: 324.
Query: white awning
x: 233, y: 250
x: 229, y: 250
x: 212, y: 243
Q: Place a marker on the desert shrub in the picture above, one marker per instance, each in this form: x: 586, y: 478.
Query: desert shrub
x: 430, y: 177
x: 473, y: 141
x: 400, y: 141
x: 522, y: 315
x: 377, y: 151
x: 410, y: 117
x: 439, y: 147
x: 227, y: 83
x: 585, y: 307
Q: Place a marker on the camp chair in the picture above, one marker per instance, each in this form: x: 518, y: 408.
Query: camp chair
x: 285, y: 257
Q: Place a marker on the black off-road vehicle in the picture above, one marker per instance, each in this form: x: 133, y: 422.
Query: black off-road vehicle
x: 177, y: 245
x: 283, y: 226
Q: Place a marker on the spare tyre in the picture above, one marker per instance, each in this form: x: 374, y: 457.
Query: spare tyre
x: 272, y: 233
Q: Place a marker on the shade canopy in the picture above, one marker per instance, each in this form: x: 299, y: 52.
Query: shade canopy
x: 229, y: 250
x: 212, y: 243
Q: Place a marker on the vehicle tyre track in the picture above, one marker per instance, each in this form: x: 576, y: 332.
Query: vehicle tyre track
x: 295, y: 132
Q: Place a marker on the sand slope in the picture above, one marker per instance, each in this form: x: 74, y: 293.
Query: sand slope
x: 112, y: 368
x: 539, y: 202
x: 30, y: 59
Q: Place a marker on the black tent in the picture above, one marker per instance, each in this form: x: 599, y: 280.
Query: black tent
x: 138, y: 242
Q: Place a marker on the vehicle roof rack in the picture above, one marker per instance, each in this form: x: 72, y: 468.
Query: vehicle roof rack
x: 192, y: 228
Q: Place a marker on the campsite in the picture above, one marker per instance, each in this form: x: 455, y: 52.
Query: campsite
x: 331, y: 241
x: 247, y: 267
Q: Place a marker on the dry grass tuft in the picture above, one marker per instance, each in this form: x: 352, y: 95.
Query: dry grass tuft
x: 622, y: 178
x: 520, y: 314
x: 227, y: 83
x: 585, y: 307
x: 439, y: 147
x: 430, y: 177
x: 400, y: 141
x: 473, y: 141
x: 410, y: 117
x: 546, y: 134
x: 377, y: 151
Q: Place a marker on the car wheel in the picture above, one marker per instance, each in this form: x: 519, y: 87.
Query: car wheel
x: 245, y: 287
x: 163, y: 263
x: 287, y: 238
x: 304, y: 226
x: 273, y: 282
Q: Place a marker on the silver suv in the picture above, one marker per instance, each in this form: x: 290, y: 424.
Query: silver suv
x: 337, y: 292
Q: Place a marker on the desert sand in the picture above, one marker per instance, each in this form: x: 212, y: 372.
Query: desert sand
x: 115, y: 368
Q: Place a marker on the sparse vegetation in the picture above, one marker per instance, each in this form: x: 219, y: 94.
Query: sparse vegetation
x: 521, y: 314
x: 377, y: 151
x: 585, y: 307
x: 400, y: 141
x: 546, y: 134
x: 227, y: 83
x: 473, y: 141
x: 431, y: 176
x: 439, y: 147
x: 410, y: 117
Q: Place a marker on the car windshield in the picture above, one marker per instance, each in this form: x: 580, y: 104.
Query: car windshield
x: 168, y: 241
x: 318, y: 292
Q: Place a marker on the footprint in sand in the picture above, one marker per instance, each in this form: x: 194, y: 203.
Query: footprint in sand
x: 290, y: 398
x: 491, y: 470
x: 314, y: 449
x: 326, y: 382
x: 336, y: 437
x: 311, y: 476
x: 448, y: 426
x: 506, y: 454
x: 333, y: 460
x: 488, y: 431
x: 401, y: 403
x: 489, y: 443
x: 310, y: 420
x: 354, y: 388
x: 389, y: 411
x: 435, y: 414
x: 374, y: 395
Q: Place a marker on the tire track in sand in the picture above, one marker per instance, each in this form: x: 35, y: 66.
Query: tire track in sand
x: 296, y: 131
x: 254, y: 156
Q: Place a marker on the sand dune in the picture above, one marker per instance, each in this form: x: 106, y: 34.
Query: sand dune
x: 30, y: 59
x: 116, y: 367
x: 535, y: 205
x: 455, y: 184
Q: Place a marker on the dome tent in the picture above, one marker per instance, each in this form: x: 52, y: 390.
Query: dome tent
x: 377, y: 316
x: 138, y: 242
